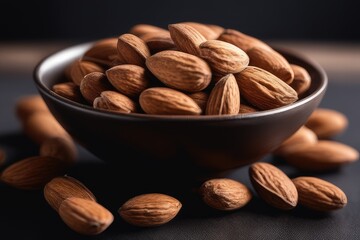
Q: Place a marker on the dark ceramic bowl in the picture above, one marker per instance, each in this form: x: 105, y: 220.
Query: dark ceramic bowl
x: 176, y: 143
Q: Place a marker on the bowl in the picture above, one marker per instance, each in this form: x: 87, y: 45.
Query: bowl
x: 141, y: 143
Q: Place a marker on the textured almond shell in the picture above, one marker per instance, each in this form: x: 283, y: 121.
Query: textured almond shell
x: 166, y: 101
x: 117, y: 102
x: 33, y: 172
x: 225, y: 194
x: 204, y: 29
x: 61, y: 188
x: 224, y: 98
x: 93, y: 85
x: 302, y: 79
x: 319, y: 194
x: 69, y: 90
x: 200, y: 98
x: 186, y: 38
x: 180, y: 70
x: 263, y: 89
x: 147, y: 210
x: 128, y: 79
x: 223, y: 57
x: 85, y: 216
x: 103, y: 51
x: 143, y: 29
x: 80, y: 68
x: 273, y: 186
x: 158, y: 41
x: 271, y: 61
x: 327, y: 123
x: 322, y: 156
x: 132, y: 49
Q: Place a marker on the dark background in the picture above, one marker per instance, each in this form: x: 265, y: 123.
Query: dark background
x: 82, y: 20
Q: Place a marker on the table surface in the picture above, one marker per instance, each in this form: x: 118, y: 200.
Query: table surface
x: 26, y: 215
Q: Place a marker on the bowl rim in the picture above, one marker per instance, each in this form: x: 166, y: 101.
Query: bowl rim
x: 37, y: 77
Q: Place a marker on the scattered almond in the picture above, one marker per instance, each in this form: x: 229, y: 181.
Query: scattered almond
x: 62, y: 148
x: 27, y: 105
x: 85, y: 216
x: 273, y: 185
x: 319, y: 195
x: 327, y: 123
x: 225, y: 194
x: 61, y: 188
x: 148, y: 210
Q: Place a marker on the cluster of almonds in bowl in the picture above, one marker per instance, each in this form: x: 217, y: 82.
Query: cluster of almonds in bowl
x: 188, y: 69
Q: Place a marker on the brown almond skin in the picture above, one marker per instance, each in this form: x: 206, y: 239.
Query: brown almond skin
x: 271, y: 61
x: 225, y: 194
x: 246, y: 108
x: 323, y: 156
x: 263, y: 89
x: 327, y: 123
x: 132, y: 49
x: 167, y: 101
x: 116, y: 102
x: 223, y: 57
x: 302, y: 79
x: 80, y: 68
x: 200, y: 98
x: 41, y: 126
x: 180, y: 70
x: 102, y: 52
x: 93, y: 85
x: 273, y: 186
x: 186, y: 38
x: 85, y: 216
x: 27, y: 105
x: 241, y: 40
x: 61, y: 188
x: 204, y: 29
x: 69, y: 90
x: 224, y: 98
x: 158, y: 41
x: 128, y: 79
x: 319, y: 195
x: 59, y: 147
x: 302, y: 136
x: 33, y: 173
x: 149, y: 210
x: 143, y: 29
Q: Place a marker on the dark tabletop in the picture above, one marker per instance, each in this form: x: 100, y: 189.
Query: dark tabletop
x: 26, y: 214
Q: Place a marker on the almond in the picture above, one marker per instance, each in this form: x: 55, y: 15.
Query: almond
x: 186, y: 38
x: 69, y: 90
x: 200, y: 98
x: 27, y: 105
x: 302, y: 136
x: 322, y: 156
x: 61, y: 148
x: 263, y: 89
x: 128, y: 79
x: 33, y: 172
x: 102, y: 52
x: 302, y: 79
x: 223, y: 57
x: 273, y: 185
x: 216, y: 28
x: 225, y: 194
x: 204, y: 30
x: 327, y: 123
x: 319, y: 195
x: 241, y: 40
x: 143, y: 29
x: 85, y: 216
x: 80, y: 68
x: 224, y: 97
x: 158, y: 41
x: 93, y: 85
x: 132, y: 49
x: 41, y: 126
x: 148, y: 210
x: 246, y: 108
x: 271, y: 61
x: 167, y: 101
x: 180, y: 70
x: 115, y: 102
x: 61, y: 188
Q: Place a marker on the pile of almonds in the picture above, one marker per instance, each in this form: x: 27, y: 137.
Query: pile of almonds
x: 188, y: 69
x: 195, y: 69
